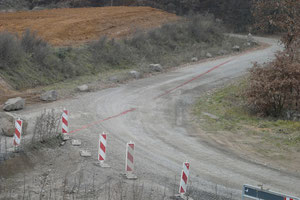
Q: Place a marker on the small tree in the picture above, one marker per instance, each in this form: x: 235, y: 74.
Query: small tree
x: 278, y: 15
x: 275, y: 88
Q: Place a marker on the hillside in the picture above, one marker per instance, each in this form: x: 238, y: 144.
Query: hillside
x: 78, y: 25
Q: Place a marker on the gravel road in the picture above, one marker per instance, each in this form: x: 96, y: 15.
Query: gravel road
x: 157, y: 120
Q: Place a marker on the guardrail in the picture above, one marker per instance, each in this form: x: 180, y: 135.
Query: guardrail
x: 262, y: 194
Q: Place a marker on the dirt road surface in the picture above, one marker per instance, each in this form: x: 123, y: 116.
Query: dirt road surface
x: 71, y: 26
x: 153, y: 112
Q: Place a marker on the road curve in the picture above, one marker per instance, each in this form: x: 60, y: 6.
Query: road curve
x: 152, y: 112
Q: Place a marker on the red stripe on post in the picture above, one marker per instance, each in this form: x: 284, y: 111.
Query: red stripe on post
x: 187, y: 165
x: 182, y: 190
x: 128, y: 168
x: 184, y: 178
x: 101, y: 158
x: 131, y: 146
x: 130, y: 157
x: 18, y: 134
x: 19, y: 122
x: 102, y: 147
x: 65, y: 121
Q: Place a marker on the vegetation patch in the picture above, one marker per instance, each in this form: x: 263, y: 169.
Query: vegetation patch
x: 27, y: 61
x: 230, y: 113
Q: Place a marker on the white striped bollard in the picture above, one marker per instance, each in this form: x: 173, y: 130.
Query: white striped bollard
x: 102, y: 147
x: 184, y: 178
x: 65, y: 124
x: 129, y: 165
x: 18, y: 132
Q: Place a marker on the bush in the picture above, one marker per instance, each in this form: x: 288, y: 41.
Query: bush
x: 35, y: 46
x: 46, y: 126
x: 275, y: 88
x: 33, y: 62
x: 11, y: 52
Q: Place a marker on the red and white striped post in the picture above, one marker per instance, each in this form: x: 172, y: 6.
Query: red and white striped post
x: 129, y: 165
x: 18, y: 132
x: 65, y: 124
x: 184, y: 178
x: 102, y: 144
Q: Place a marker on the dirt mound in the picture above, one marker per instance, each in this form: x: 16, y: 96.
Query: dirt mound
x: 71, y: 26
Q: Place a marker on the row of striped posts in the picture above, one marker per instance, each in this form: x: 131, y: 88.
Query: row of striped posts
x: 102, y: 150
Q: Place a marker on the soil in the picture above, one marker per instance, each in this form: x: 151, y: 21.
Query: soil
x: 73, y: 26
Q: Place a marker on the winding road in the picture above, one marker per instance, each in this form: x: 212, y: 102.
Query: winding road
x: 153, y: 112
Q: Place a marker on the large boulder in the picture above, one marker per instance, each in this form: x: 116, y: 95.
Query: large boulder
x: 7, y: 125
x: 156, y: 67
x: 250, y: 38
x: 135, y: 74
x: 49, y: 96
x: 83, y: 88
x: 236, y: 48
x: 17, y: 103
x: 208, y: 55
x: 194, y: 59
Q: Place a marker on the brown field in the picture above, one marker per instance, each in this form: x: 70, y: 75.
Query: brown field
x: 73, y: 26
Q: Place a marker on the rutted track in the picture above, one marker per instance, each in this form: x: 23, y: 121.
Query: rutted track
x: 161, y: 129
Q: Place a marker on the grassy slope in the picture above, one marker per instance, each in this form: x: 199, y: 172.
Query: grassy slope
x: 267, y: 136
x: 34, y: 63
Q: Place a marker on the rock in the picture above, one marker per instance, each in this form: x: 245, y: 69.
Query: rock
x: 114, y: 79
x: 76, y: 142
x: 7, y: 125
x: 222, y: 52
x: 38, y: 8
x: 49, y: 96
x: 236, y: 48
x: 194, y: 59
x: 135, y: 74
x: 83, y: 88
x: 65, y: 137
x: 17, y: 103
x: 250, y: 38
x: 156, y: 67
x: 210, y: 115
x: 85, y: 153
x: 208, y: 55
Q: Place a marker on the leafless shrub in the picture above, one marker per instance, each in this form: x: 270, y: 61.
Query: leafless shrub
x: 11, y: 52
x: 275, y: 88
x: 46, y: 126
